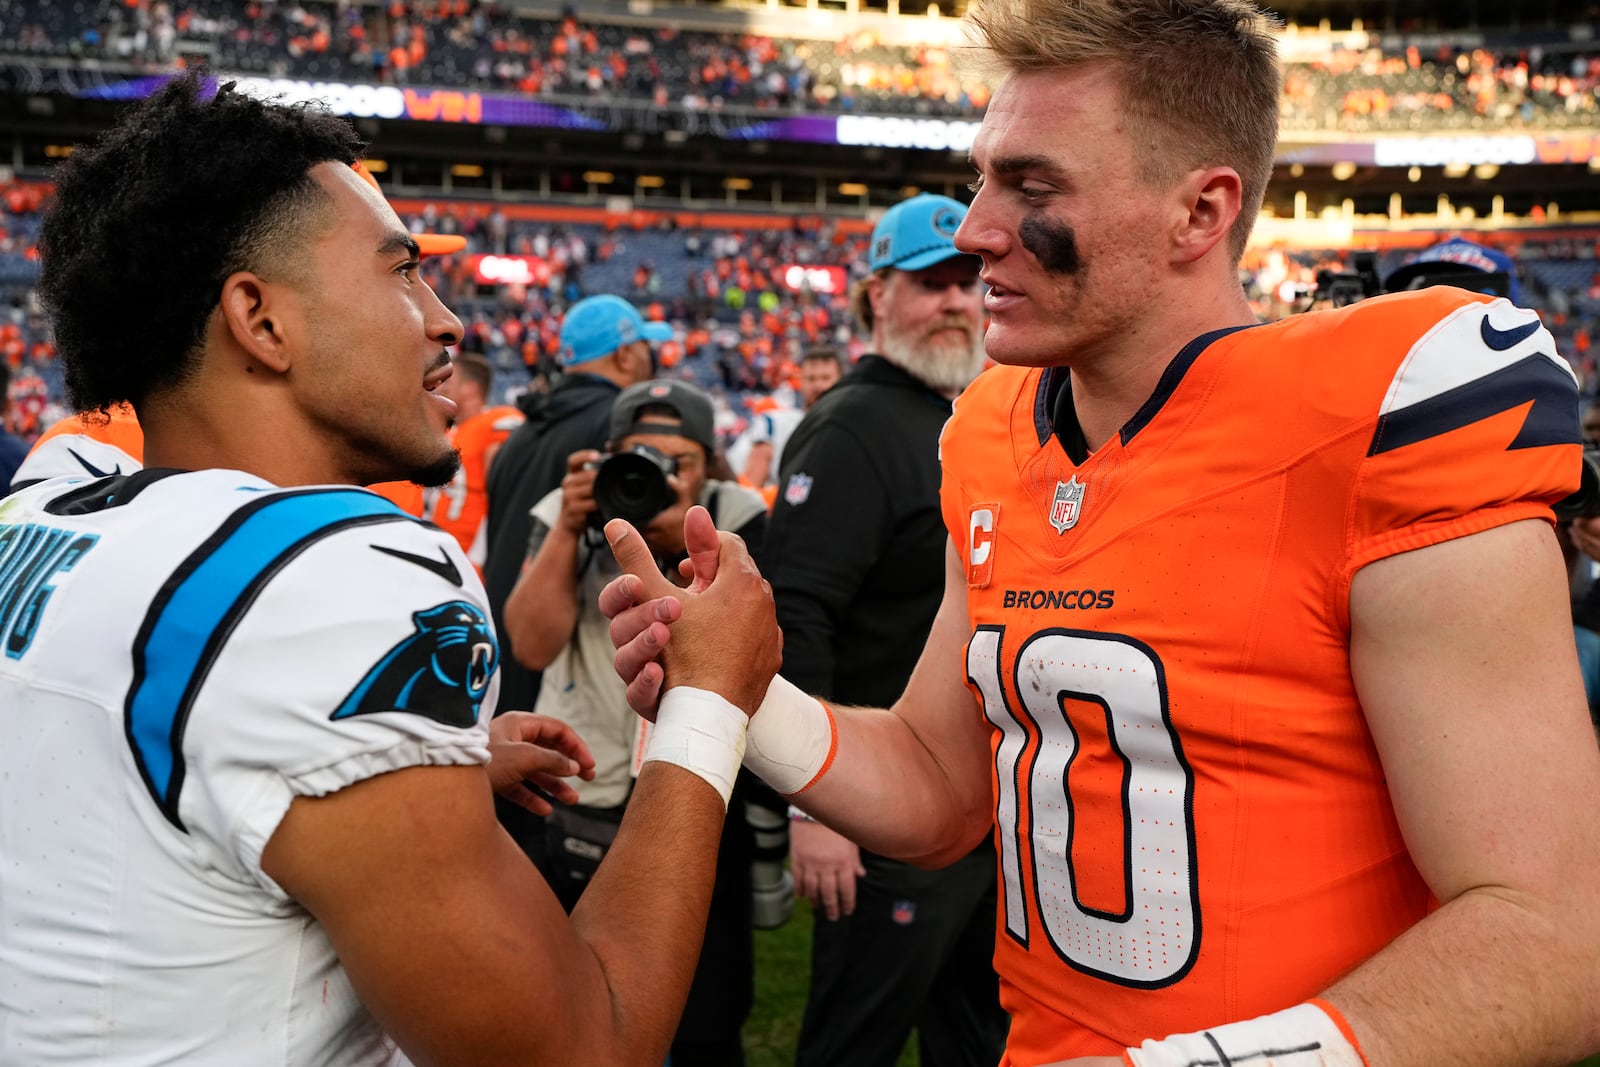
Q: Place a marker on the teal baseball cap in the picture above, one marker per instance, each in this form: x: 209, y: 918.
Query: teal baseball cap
x: 597, y: 326
x: 917, y: 233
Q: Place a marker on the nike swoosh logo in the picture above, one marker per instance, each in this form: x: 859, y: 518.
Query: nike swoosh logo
x: 442, y: 566
x: 1501, y: 340
x: 91, y: 468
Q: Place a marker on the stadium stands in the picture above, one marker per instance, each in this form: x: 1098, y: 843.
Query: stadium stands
x: 457, y: 44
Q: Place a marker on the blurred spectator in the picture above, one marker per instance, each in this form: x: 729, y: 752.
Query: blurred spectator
x: 894, y: 946
x: 13, y: 449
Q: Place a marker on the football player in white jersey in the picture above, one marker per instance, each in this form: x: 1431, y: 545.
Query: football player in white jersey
x: 245, y: 777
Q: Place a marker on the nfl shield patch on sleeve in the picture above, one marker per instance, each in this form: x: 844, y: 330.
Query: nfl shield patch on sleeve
x: 797, y: 489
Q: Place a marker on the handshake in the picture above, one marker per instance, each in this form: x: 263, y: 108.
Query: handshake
x: 723, y: 626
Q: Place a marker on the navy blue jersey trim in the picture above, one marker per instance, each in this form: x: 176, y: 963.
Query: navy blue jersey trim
x: 199, y: 606
x: 1172, y: 376
x: 113, y: 491
x: 1552, y: 420
x: 1050, y: 382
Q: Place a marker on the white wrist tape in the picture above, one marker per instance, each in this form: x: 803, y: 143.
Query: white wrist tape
x: 792, y: 738
x: 1305, y: 1035
x: 702, y: 733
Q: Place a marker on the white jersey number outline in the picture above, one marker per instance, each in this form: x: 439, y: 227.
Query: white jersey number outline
x: 1154, y: 941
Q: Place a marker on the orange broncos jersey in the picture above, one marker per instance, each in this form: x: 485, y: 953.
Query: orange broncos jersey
x: 1192, y: 822
x: 85, y: 446
x: 461, y: 506
x: 407, y: 496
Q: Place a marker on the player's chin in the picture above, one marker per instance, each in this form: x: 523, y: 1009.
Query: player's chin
x: 436, y: 470
x: 1009, y: 344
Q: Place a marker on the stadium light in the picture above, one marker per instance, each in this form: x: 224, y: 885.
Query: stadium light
x: 1457, y: 170
x: 852, y: 189
x: 376, y: 166
x: 650, y: 181
x: 598, y: 177
x: 1343, y: 171
x: 1297, y: 170
x: 1414, y: 174
x: 1486, y: 171
x: 466, y: 170
x: 736, y: 185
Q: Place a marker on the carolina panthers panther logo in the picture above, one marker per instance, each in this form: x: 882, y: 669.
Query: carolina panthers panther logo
x: 440, y: 672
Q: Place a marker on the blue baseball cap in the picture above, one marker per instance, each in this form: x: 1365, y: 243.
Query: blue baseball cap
x: 917, y: 233
x: 597, y: 326
x: 1453, y: 262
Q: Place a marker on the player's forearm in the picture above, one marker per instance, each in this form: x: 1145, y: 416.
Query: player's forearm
x: 542, y: 609
x: 643, y: 916
x: 1494, y: 978
x: 885, y: 791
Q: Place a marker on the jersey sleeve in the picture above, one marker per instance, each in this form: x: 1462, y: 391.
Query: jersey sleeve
x: 1477, y: 426
x: 369, y: 651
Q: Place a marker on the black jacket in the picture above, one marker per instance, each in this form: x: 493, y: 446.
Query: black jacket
x: 855, y: 549
x: 575, y: 414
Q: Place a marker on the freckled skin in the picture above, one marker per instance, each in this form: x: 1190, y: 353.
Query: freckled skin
x: 1052, y: 243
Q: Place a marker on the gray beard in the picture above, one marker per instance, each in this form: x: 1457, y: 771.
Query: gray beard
x: 944, y: 363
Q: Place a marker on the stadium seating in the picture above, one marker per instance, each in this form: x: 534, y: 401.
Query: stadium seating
x: 482, y: 46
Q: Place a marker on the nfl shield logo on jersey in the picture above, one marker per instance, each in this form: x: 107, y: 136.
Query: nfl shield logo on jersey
x: 1068, y: 505
x: 797, y: 490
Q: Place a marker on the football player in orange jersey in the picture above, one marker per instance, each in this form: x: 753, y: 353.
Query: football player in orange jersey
x: 460, y: 506
x: 1254, y: 654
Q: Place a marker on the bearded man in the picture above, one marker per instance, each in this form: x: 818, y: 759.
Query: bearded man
x: 855, y: 554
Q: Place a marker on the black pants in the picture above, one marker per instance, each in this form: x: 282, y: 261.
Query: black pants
x: 723, y: 987
x: 918, y: 951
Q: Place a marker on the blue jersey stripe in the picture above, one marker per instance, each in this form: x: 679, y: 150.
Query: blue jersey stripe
x: 199, y: 606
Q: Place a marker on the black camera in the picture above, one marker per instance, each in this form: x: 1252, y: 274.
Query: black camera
x: 632, y: 485
x: 1342, y: 288
x: 1585, y: 503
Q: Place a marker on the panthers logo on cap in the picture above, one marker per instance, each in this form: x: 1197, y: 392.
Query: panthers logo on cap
x: 441, y: 671
x: 946, y: 221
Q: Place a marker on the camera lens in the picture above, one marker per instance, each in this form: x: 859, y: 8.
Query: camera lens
x: 633, y: 485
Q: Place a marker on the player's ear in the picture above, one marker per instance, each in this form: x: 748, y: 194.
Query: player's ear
x: 253, y: 316
x: 1208, y: 203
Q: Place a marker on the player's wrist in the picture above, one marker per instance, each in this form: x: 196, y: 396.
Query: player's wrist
x: 1313, y: 1034
x: 792, y: 738
x: 701, y: 732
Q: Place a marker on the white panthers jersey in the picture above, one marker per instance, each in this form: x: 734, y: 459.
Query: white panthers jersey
x: 181, y: 655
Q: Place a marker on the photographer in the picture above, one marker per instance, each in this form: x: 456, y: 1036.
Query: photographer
x: 661, y: 445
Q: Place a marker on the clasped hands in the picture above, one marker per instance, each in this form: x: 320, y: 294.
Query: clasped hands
x: 724, y: 630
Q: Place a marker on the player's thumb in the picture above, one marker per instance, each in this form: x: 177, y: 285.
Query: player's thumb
x: 703, y: 545
x: 635, y: 557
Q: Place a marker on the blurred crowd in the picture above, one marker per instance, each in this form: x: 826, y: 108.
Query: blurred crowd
x: 468, y: 44
x: 1450, y: 88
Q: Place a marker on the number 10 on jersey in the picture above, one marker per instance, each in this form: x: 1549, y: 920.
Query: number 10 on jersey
x: 1075, y: 688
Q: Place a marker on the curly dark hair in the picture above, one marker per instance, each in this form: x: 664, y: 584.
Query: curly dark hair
x: 150, y: 220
